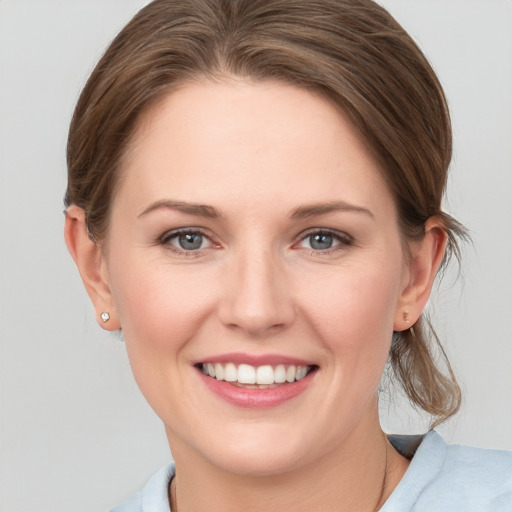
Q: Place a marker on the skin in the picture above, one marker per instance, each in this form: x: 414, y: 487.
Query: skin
x: 257, y: 153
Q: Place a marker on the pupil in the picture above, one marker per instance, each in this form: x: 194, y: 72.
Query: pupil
x: 190, y: 241
x: 321, y: 241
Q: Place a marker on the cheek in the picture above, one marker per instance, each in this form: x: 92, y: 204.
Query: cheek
x: 354, y: 323
x: 355, y: 312
x: 160, y: 306
x: 161, y: 310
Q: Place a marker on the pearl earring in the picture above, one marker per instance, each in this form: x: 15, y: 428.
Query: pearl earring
x: 406, y: 317
x: 105, y: 316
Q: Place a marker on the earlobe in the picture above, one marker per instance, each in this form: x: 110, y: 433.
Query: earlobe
x: 91, y: 264
x: 426, y: 258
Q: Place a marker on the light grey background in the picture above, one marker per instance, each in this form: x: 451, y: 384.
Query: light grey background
x: 75, y: 433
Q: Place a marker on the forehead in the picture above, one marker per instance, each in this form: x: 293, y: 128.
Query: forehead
x: 238, y: 141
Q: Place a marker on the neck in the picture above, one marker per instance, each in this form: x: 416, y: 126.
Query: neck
x: 358, y: 475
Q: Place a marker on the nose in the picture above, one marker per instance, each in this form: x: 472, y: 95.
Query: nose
x: 256, y: 296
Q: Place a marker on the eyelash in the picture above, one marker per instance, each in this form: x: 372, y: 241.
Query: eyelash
x: 166, y: 238
x: 343, y: 239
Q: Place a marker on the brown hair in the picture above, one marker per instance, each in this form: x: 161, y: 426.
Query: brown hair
x: 351, y: 51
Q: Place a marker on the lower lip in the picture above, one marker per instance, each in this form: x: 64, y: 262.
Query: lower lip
x: 253, y: 398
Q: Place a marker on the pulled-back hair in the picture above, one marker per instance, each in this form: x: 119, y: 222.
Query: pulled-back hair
x: 350, y: 51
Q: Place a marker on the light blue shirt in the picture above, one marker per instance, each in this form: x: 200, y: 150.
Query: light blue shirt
x: 440, y: 478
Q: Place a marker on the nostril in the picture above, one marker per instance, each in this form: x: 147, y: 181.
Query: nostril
x: 255, y: 300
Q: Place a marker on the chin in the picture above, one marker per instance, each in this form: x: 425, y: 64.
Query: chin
x: 264, y: 463
x: 262, y: 453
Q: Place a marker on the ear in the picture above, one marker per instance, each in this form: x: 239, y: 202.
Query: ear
x: 426, y: 257
x: 90, y: 260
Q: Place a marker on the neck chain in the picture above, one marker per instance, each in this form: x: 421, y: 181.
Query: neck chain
x: 174, y: 503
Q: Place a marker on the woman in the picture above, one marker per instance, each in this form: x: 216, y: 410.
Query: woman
x: 254, y: 199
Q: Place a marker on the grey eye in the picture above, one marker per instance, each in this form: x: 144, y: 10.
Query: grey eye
x: 186, y: 240
x: 189, y: 241
x: 321, y: 241
x: 324, y: 241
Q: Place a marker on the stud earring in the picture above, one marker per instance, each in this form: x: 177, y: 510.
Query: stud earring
x: 406, y: 317
x: 105, y: 316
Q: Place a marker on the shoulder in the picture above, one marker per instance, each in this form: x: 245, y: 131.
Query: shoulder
x: 445, y: 477
x: 491, y: 465
x: 153, y: 497
x: 481, y: 477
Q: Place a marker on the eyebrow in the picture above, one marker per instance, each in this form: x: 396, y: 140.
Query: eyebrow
x: 200, y: 210
x: 312, y: 210
x: 301, y: 212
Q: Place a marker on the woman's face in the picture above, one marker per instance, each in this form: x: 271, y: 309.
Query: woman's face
x: 253, y: 237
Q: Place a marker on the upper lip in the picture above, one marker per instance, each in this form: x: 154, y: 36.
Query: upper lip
x: 255, y: 359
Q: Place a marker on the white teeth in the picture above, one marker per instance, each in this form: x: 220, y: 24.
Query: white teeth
x: 265, y: 375
x: 219, y: 371
x: 246, y: 374
x: 302, y: 371
x: 230, y: 373
x: 262, y: 375
x: 290, y: 373
x: 280, y: 374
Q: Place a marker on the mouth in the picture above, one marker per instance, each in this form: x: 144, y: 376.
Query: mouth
x: 256, y: 377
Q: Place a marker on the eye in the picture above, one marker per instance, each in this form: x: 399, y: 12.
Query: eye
x: 321, y: 241
x: 324, y: 241
x: 188, y: 240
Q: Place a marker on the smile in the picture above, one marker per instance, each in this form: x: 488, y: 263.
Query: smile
x: 261, y: 377
x: 257, y: 385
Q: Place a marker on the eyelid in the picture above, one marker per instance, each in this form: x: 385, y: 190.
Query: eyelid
x: 167, y: 236
x: 344, y: 239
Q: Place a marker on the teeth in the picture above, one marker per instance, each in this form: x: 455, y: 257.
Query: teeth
x: 246, y: 374
x: 230, y: 373
x: 219, y: 371
x: 302, y: 371
x: 291, y: 372
x: 280, y: 374
x: 263, y: 375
